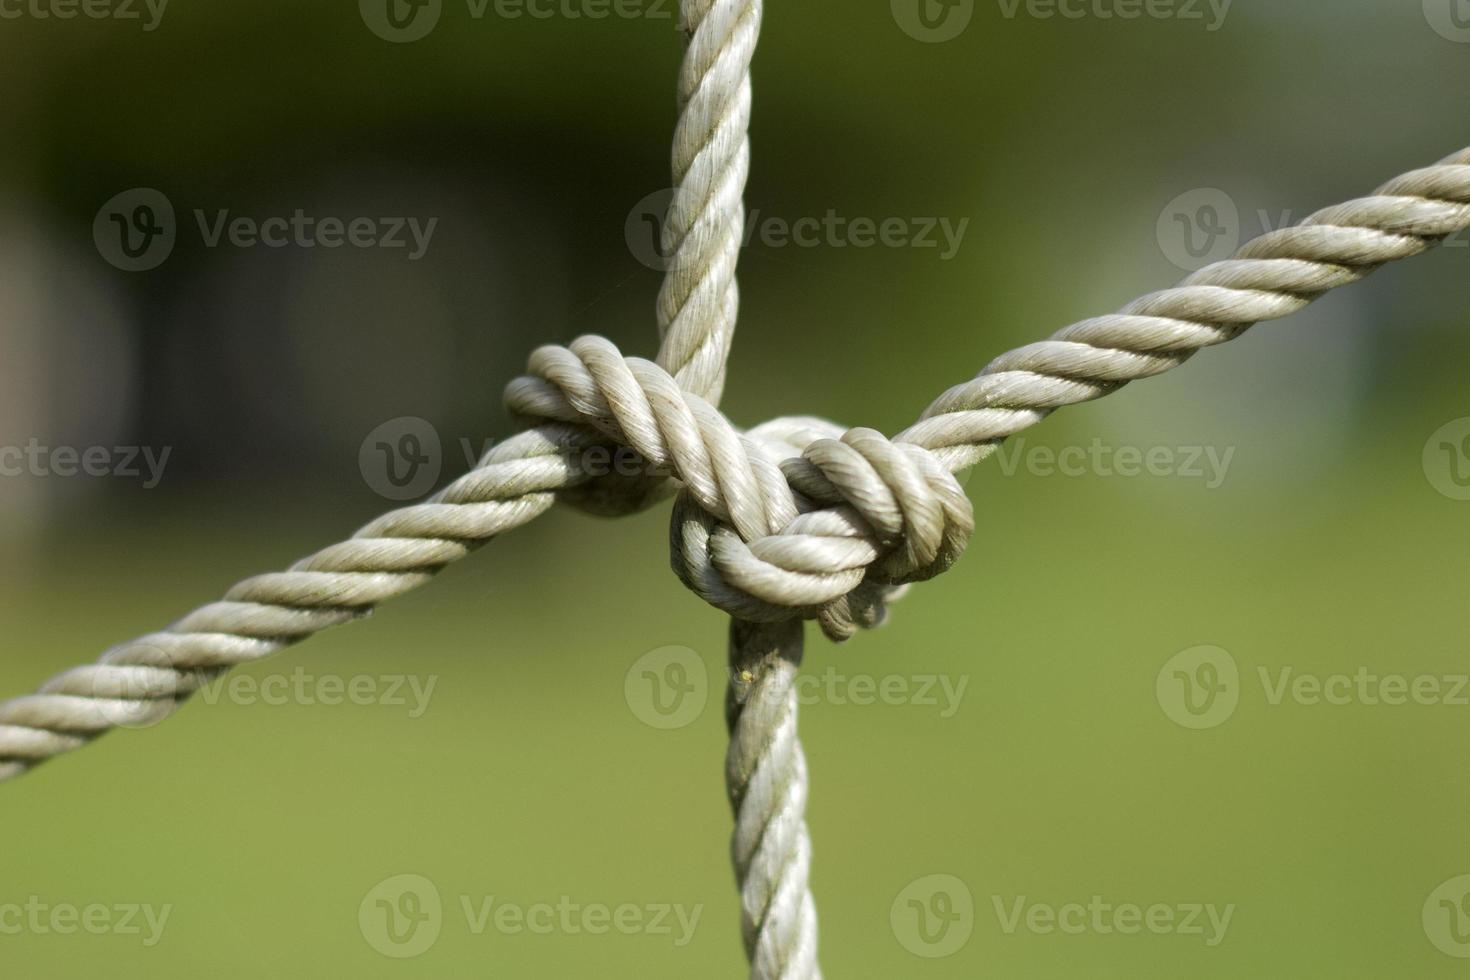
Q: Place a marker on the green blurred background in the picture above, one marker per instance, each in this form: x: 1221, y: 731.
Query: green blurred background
x: 1328, y: 547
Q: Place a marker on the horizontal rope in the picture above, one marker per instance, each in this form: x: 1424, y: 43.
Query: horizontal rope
x: 734, y: 503
x: 1272, y: 276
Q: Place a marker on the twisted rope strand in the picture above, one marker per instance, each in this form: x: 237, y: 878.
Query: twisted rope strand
x: 140, y: 682
x: 765, y: 774
x: 702, y: 234
x: 1272, y: 276
x: 645, y: 406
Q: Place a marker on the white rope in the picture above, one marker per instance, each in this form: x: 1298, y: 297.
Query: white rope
x: 765, y: 773
x: 782, y: 523
x: 702, y: 235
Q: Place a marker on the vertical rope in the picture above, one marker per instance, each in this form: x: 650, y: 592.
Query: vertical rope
x: 699, y: 302
x: 765, y: 773
x: 698, y: 306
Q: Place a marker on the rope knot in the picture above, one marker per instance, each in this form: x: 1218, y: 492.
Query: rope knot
x: 873, y: 516
x: 793, y: 518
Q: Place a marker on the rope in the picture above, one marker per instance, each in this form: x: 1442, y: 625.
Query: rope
x: 141, y: 682
x: 702, y: 234
x: 765, y: 773
x: 1272, y: 276
x: 850, y: 519
x: 776, y: 525
x: 758, y: 532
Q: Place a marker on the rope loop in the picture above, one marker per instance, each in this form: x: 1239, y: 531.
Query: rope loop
x: 794, y: 518
x: 875, y: 517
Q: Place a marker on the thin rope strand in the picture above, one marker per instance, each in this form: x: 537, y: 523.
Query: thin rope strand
x: 703, y: 232
x: 766, y: 777
x: 1272, y: 276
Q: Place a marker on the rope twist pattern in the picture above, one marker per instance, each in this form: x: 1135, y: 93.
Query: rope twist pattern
x: 825, y: 534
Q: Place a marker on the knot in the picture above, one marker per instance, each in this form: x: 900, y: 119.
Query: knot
x: 875, y: 516
x: 793, y: 518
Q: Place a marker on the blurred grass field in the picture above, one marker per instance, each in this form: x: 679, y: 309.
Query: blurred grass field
x: 1326, y: 547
